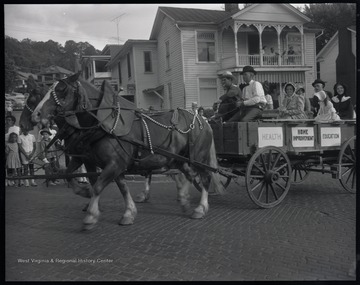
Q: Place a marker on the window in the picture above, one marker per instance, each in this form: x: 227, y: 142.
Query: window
x: 119, y: 70
x: 100, y: 66
x: 147, y: 61
x: 208, y: 92
x: 206, y: 46
x: 128, y: 65
x: 167, y: 53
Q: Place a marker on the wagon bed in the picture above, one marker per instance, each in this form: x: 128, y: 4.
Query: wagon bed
x: 273, y: 154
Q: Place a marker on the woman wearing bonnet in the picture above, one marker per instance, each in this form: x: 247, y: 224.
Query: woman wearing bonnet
x: 326, y: 111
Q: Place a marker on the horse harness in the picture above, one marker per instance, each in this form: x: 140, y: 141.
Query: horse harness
x: 147, y: 143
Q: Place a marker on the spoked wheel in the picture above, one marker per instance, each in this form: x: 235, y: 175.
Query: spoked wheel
x: 268, y: 176
x: 347, y: 165
x: 299, y: 172
x: 225, y: 181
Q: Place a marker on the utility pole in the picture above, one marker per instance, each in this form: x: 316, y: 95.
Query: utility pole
x: 117, y: 19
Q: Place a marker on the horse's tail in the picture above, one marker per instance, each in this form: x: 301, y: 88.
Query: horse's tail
x: 215, y: 184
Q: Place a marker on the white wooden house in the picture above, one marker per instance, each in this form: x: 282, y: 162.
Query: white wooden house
x: 94, y: 67
x: 189, y: 48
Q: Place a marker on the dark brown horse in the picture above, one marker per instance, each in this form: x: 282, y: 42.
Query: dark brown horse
x: 78, y: 100
x: 36, y: 94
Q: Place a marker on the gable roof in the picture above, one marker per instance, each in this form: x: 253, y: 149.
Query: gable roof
x: 288, y: 6
x: 111, y: 49
x: 125, y: 49
x: 330, y: 43
x: 203, y: 16
x: 55, y: 69
x: 25, y: 75
x: 188, y: 15
x: 195, y: 15
x: 333, y: 40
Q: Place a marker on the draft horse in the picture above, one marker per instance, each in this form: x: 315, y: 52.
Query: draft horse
x: 36, y: 94
x: 190, y: 138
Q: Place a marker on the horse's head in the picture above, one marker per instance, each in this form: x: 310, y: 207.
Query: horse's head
x: 36, y: 93
x: 65, y: 95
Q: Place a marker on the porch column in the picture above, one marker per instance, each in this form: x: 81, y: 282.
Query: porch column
x: 279, y: 29
x: 260, y: 28
x: 301, y: 29
x: 235, y: 29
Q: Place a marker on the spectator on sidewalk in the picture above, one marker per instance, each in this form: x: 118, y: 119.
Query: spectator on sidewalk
x: 27, y: 147
x: 13, y: 164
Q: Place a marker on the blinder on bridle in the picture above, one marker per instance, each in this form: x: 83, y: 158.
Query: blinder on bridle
x: 76, y: 92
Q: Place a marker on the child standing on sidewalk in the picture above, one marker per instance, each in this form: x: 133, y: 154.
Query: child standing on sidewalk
x: 48, y: 155
x: 27, y: 147
x: 13, y: 163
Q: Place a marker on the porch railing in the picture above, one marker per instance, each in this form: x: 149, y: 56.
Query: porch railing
x: 270, y: 60
x: 291, y: 60
x: 246, y: 59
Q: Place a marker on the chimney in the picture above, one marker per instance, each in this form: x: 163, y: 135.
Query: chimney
x: 346, y: 63
x: 232, y: 8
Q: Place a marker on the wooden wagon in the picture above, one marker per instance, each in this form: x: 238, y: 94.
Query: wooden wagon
x: 273, y: 154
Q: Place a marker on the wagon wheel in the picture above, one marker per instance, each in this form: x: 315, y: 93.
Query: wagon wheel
x: 268, y: 176
x: 299, y: 172
x: 225, y: 181
x: 347, y: 165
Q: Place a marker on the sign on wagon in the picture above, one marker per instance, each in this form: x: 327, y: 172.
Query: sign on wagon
x: 330, y: 137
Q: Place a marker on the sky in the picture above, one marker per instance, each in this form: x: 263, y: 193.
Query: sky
x: 97, y: 24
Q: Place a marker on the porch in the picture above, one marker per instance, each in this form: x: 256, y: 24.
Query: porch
x: 267, y: 60
x: 261, y: 45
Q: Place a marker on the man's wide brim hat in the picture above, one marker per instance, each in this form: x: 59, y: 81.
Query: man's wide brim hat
x: 248, y: 68
x: 318, y: 81
x: 228, y: 74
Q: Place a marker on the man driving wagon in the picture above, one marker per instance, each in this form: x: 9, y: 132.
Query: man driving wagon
x: 245, y: 106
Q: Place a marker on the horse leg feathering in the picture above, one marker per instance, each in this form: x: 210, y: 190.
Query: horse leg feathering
x: 130, y: 208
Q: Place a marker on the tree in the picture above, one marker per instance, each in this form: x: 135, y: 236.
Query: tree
x: 332, y: 17
x: 10, y: 74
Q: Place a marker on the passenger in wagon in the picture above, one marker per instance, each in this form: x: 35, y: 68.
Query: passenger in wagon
x: 342, y: 103
x: 254, y: 101
x: 268, y: 97
x: 327, y: 111
x: 293, y: 105
x: 319, y: 85
x: 226, y: 105
x: 300, y: 90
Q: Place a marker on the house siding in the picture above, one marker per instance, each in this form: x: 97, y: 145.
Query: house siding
x: 328, y: 66
x: 269, y: 12
x: 194, y: 70
x: 146, y: 80
x: 169, y: 32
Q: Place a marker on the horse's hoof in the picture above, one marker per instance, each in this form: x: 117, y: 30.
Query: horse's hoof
x: 141, y: 198
x: 88, y: 227
x: 90, y: 220
x: 126, y: 221
x: 199, y: 212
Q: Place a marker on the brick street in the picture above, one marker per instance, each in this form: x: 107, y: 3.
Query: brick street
x: 309, y: 236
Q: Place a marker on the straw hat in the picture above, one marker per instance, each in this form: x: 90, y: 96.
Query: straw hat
x: 228, y: 74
